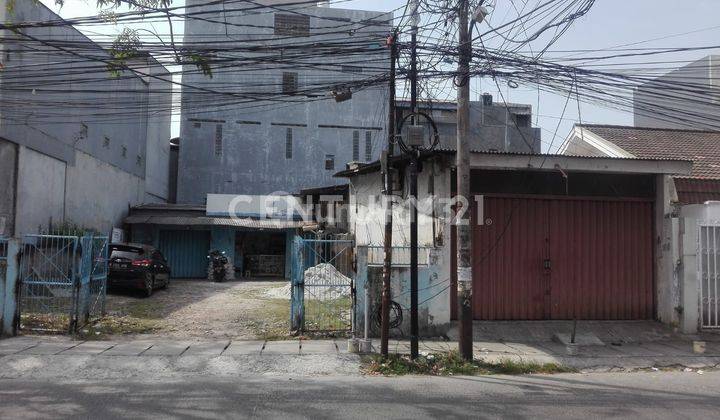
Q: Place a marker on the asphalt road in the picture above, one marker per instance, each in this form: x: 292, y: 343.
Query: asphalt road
x: 643, y: 395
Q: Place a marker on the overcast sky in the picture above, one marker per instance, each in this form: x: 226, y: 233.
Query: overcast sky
x: 611, y: 23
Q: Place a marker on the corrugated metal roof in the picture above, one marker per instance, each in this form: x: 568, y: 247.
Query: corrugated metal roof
x: 215, y: 221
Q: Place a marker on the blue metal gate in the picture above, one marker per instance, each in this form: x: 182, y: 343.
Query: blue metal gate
x: 186, y: 252
x: 62, y: 281
x: 323, y: 285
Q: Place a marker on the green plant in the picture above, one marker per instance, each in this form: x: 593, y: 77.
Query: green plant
x: 443, y: 364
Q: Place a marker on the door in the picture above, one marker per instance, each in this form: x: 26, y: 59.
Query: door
x: 546, y: 258
x: 185, y: 252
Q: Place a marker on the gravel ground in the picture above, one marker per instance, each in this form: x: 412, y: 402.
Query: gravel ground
x: 240, y: 310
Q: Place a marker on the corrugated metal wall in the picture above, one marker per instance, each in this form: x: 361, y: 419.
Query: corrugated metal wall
x: 186, y: 252
x: 545, y: 258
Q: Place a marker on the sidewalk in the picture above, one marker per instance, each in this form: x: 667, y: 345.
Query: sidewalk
x: 39, y: 357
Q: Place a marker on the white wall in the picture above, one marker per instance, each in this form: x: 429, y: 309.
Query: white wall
x: 99, y: 195
x: 367, y: 222
x: 91, y: 193
x: 40, y: 192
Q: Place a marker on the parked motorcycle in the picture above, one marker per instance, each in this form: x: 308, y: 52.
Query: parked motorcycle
x: 218, y: 266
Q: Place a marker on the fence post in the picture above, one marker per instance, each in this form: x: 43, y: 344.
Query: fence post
x: 9, y: 305
x: 297, y: 305
x: 83, y: 309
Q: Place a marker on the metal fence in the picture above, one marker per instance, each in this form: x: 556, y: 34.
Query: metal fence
x: 62, y: 281
x: 3, y: 260
x: 323, y: 285
x: 98, y: 275
x: 708, y: 259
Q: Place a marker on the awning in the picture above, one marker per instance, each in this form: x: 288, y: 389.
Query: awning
x: 215, y: 221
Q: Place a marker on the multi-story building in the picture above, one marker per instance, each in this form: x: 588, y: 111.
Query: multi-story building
x: 78, y: 144
x: 494, y: 126
x: 685, y: 98
x: 267, y: 120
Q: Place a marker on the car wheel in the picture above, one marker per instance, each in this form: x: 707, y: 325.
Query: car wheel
x: 149, y: 285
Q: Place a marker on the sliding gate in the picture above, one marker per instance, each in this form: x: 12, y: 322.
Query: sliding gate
x: 708, y: 259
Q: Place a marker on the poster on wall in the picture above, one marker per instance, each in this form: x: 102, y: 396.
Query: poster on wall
x: 117, y: 236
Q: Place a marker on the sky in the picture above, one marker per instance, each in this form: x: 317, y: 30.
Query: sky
x: 610, y: 23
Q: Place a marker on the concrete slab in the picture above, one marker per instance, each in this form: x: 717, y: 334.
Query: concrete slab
x: 492, y: 347
x: 207, y: 349
x: 16, y: 345
x: 133, y: 348
x: 50, y: 348
x: 318, y: 347
x: 584, y: 339
x: 527, y: 349
x: 89, y: 348
x: 167, y: 349
x: 241, y: 348
x: 282, y: 347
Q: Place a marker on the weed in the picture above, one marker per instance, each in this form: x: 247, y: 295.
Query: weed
x: 442, y: 364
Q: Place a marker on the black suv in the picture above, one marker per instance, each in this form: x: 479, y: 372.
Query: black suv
x: 137, y: 266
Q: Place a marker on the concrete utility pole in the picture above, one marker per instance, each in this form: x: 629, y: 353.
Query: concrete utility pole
x: 413, y: 168
x: 464, y: 229
x: 387, y: 263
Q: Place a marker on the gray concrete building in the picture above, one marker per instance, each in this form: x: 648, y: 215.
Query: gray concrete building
x: 685, y: 98
x: 494, y: 126
x: 78, y: 145
x: 266, y: 120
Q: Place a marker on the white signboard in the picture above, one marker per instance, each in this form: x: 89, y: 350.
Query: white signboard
x: 117, y: 236
x: 254, y: 206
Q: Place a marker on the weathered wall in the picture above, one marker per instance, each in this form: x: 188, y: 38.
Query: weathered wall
x: 41, y: 192
x: 434, y: 279
x: 253, y: 133
x: 90, y: 193
x: 87, y: 142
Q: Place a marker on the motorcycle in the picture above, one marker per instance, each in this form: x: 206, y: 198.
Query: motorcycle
x: 218, y: 266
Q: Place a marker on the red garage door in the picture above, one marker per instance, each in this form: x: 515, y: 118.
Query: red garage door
x: 563, y: 259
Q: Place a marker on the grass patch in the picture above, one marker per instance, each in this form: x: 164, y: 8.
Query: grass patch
x: 58, y: 323
x: 271, y: 321
x: 447, y: 364
x: 109, y: 326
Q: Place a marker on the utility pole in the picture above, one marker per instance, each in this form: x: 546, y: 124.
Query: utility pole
x: 464, y: 229
x: 414, y: 322
x: 387, y: 263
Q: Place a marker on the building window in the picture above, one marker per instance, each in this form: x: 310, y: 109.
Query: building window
x: 368, y: 146
x: 329, y: 162
x: 123, y: 151
x: 288, y: 143
x: 218, y: 140
x: 356, y: 146
x: 197, y: 125
x: 106, y: 142
x: 138, y: 160
x: 522, y: 120
x: 292, y: 25
x: 289, y: 83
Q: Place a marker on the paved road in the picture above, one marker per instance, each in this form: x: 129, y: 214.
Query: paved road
x: 641, y: 395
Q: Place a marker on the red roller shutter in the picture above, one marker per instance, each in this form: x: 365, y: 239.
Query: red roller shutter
x: 547, y: 258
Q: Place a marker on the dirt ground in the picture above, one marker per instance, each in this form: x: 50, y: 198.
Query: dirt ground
x: 198, y: 309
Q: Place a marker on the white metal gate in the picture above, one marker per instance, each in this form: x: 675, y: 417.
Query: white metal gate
x: 709, y: 274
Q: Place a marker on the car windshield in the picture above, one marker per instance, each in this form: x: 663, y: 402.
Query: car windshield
x: 128, y: 252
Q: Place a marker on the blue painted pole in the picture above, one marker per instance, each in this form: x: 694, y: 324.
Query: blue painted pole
x: 9, y: 296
